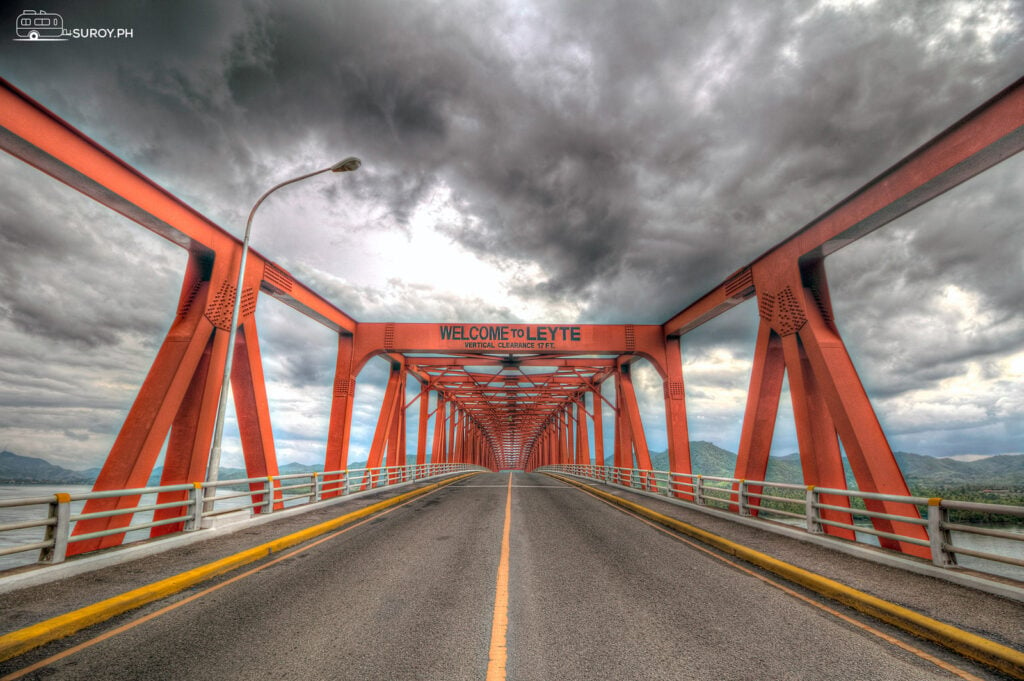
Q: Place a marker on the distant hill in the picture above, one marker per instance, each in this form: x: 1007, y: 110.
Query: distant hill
x: 15, y: 469
x: 995, y: 471
x: 710, y: 459
x: 922, y: 472
x: 27, y: 470
x: 1000, y: 472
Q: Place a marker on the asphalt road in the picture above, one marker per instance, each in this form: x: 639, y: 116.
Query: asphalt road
x: 593, y: 594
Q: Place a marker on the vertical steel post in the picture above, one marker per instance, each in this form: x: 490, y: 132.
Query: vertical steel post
x: 57, y: 532
x: 938, y: 536
x: 675, y: 410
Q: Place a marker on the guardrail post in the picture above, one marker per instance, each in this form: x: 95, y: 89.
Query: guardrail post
x: 811, y: 511
x: 60, y: 513
x: 741, y: 499
x: 268, y: 495
x: 318, y: 489
x: 195, y: 500
x: 938, y: 535
x: 698, y: 491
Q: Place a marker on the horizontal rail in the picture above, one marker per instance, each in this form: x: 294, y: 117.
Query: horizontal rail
x: 874, y: 532
x: 986, y: 555
x: 27, y: 524
x: 27, y: 501
x: 872, y: 514
x: 739, y: 497
x: 779, y: 511
x: 57, y: 514
x: 128, y: 511
x: 11, y: 550
x: 138, y: 526
x: 112, y: 494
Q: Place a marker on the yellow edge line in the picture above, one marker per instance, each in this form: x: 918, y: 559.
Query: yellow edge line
x: 21, y: 641
x: 970, y: 645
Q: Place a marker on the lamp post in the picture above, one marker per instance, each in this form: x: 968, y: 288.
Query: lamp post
x: 213, y: 466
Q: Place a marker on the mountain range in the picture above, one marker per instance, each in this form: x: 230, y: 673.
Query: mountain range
x: 27, y: 470
x: 921, y: 472
x: 1004, y: 472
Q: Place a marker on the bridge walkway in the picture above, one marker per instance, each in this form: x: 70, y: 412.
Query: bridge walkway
x: 592, y: 593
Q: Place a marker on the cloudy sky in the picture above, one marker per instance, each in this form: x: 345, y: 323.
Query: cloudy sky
x: 587, y: 161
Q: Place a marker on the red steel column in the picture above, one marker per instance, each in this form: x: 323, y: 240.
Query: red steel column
x: 157, y: 406
x: 675, y: 412
x: 623, y: 454
x: 421, y: 431
x: 188, y: 444
x: 457, y: 434
x: 340, y: 429
x: 460, y: 452
x: 455, y: 415
x: 396, y: 433
x: 385, y: 420
x: 582, y: 433
x: 598, y: 427
x: 567, y: 446
x: 766, y: 377
x: 636, y: 426
x: 828, y: 397
x: 252, y: 408
x: 820, y: 457
x: 438, y: 445
x: 867, y: 449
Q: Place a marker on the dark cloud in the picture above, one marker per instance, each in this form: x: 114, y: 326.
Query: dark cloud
x: 62, y: 278
x: 627, y: 156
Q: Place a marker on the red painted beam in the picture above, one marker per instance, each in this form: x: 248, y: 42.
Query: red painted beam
x: 38, y: 137
x: 990, y: 134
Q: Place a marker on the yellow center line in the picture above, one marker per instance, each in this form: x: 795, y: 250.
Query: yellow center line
x: 963, y: 674
x: 499, y: 625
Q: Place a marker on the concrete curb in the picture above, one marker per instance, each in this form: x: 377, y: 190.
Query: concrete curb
x: 223, y: 525
x: 1003, y: 658
x: 21, y: 641
x: 861, y: 551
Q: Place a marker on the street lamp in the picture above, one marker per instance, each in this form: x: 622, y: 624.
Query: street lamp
x: 348, y: 164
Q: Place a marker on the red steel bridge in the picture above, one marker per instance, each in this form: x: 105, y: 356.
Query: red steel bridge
x: 510, y: 396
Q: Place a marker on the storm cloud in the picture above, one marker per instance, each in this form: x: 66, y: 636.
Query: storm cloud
x: 588, y: 161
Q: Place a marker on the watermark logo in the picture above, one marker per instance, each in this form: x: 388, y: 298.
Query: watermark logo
x: 40, y: 25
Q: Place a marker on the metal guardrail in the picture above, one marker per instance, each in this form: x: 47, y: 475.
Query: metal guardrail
x: 804, y: 506
x: 263, y: 496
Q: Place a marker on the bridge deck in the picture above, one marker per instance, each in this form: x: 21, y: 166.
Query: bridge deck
x: 593, y: 593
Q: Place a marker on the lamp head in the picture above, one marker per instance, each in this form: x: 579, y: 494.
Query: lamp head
x: 350, y: 163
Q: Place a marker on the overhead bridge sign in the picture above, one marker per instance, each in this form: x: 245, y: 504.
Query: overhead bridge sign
x: 510, y: 336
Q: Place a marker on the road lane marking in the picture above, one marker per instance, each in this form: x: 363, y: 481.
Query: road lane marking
x: 499, y: 625
x: 557, y: 487
x: 970, y: 645
x: 795, y: 594
x: 21, y: 641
